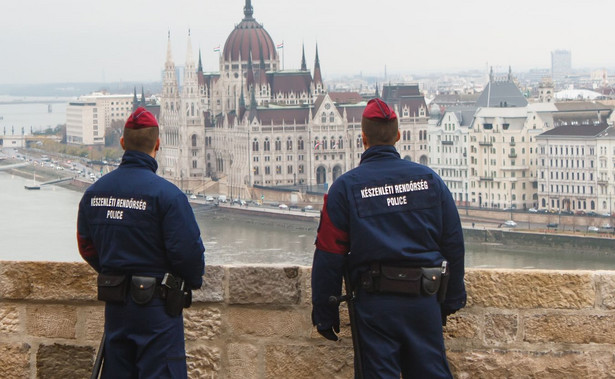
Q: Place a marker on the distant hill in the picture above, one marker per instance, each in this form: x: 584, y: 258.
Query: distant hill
x: 77, y: 89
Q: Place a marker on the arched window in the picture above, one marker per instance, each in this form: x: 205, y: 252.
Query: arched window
x: 194, y: 140
x: 324, y: 142
x: 323, y: 117
x: 267, y: 144
x: 278, y: 144
x: 340, y: 143
x: 359, y: 141
x: 331, y: 117
x: 289, y: 144
x: 255, y: 145
x: 300, y: 143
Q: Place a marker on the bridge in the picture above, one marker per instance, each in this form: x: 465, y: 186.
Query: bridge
x: 35, y: 186
x: 11, y: 166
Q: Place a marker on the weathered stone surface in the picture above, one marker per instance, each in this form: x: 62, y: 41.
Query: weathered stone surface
x: 605, y: 282
x: 489, y: 364
x: 271, y: 323
x: 213, y: 286
x: 264, y: 285
x: 47, y: 281
x: 63, y: 361
x: 243, y: 361
x: 573, y: 328
x: 203, y: 362
x: 9, y: 319
x: 501, y: 329
x: 461, y: 325
x: 306, y: 285
x: 14, y: 360
x: 299, y: 361
x: 521, y: 289
x: 94, y: 322
x: 202, y: 323
x: 54, y: 321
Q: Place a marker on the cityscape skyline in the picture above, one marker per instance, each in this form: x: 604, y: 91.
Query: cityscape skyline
x: 113, y: 41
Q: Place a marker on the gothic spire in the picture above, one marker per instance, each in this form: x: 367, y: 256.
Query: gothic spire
x: 169, y: 54
x: 142, y: 96
x: 248, y: 11
x: 135, y: 100
x: 303, y: 64
x: 200, y: 69
x: 317, y: 75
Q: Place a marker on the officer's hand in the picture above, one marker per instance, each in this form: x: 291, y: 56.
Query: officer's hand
x: 445, y: 312
x: 330, y: 333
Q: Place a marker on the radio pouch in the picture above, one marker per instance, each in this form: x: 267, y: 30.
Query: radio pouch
x: 112, y: 288
x: 142, y: 289
x: 401, y: 280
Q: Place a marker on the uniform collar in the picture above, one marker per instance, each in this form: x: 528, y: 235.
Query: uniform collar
x: 133, y: 158
x: 379, y: 152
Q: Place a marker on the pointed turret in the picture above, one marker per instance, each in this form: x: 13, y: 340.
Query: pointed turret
x: 142, y: 96
x: 169, y: 83
x: 253, y: 105
x: 200, y: 68
x: 242, y: 103
x: 135, y: 100
x: 303, y: 64
x: 377, y: 94
x: 250, y: 74
x: 318, y: 86
x: 248, y: 12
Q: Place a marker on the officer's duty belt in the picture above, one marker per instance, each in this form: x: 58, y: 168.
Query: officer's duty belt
x: 410, y: 281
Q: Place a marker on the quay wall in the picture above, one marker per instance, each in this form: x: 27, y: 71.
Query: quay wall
x: 254, y: 322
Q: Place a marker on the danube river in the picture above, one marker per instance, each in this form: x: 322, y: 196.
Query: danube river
x: 40, y: 226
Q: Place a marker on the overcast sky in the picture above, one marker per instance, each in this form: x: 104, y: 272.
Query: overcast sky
x: 55, y: 41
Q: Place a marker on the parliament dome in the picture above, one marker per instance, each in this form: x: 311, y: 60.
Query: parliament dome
x: 249, y: 37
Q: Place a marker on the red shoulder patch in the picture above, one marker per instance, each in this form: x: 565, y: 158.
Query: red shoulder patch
x: 330, y: 238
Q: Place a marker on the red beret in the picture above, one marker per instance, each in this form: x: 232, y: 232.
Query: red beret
x: 141, y: 118
x: 378, y: 109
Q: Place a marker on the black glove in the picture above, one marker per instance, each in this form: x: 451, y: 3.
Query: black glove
x: 327, y: 332
x: 445, y: 312
x: 330, y: 333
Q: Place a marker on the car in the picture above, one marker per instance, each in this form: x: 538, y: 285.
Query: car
x: 510, y: 223
x: 593, y: 229
x: 308, y: 208
x: 209, y: 198
x: 592, y: 213
x: 567, y: 212
x: 606, y: 226
x: 193, y: 197
x: 533, y: 210
x: 553, y: 225
x: 283, y: 206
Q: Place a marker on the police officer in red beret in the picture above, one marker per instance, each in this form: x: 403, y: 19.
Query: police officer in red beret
x: 138, y: 231
x: 393, y: 226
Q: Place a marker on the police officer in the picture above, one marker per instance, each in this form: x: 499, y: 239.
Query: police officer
x: 138, y: 231
x: 393, y: 225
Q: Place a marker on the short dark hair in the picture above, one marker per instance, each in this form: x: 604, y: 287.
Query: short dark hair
x: 143, y: 140
x: 380, y: 131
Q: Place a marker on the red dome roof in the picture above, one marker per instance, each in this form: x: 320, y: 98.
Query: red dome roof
x: 248, y: 36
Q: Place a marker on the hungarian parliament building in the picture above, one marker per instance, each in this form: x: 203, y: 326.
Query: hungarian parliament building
x: 254, y: 124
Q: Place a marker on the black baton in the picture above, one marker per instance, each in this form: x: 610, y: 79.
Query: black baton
x: 100, y: 357
x: 354, y: 331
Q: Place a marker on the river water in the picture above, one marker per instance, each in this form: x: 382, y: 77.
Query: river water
x: 40, y: 226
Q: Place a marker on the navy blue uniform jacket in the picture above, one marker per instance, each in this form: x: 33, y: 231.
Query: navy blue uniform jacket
x: 386, y: 210
x: 132, y: 221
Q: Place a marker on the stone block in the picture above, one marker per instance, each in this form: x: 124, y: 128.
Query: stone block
x: 605, y: 283
x: 15, y: 360
x: 64, y: 361
x: 333, y: 360
x: 523, y: 289
x: 53, y: 321
x: 488, y: 364
x: 202, y: 323
x: 243, y: 361
x: 203, y: 362
x: 9, y: 319
x: 501, y: 329
x: 570, y: 328
x: 47, y: 281
x: 462, y: 325
x: 264, y: 285
x: 94, y: 323
x: 213, y: 286
x: 271, y: 323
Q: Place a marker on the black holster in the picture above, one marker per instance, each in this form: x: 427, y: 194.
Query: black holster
x: 176, y: 296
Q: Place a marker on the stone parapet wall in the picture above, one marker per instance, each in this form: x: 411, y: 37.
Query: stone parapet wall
x: 254, y: 322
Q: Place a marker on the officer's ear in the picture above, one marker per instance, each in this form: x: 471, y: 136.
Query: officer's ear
x: 122, y: 143
x: 365, y: 141
x: 398, y: 135
x: 157, y: 147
